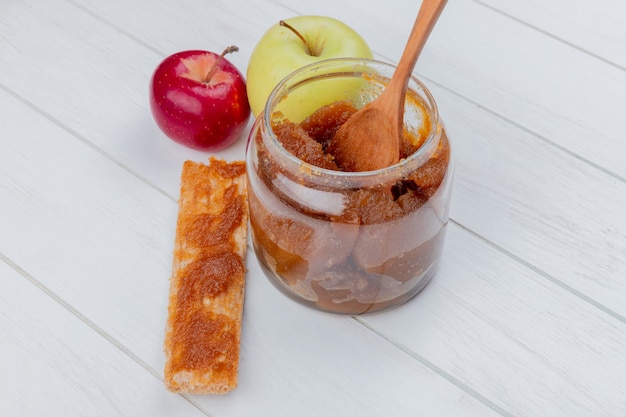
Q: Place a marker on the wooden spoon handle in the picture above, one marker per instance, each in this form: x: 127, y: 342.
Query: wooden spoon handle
x: 428, y: 14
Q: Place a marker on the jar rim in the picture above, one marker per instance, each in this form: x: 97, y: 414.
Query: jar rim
x: 397, y: 170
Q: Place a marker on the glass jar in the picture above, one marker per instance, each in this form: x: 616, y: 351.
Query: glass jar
x: 346, y: 242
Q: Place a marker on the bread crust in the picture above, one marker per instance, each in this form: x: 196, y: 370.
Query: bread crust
x: 203, y: 331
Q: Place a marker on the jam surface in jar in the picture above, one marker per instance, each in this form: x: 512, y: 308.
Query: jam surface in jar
x: 347, y: 249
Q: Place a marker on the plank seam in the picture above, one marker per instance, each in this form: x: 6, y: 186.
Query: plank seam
x: 64, y: 304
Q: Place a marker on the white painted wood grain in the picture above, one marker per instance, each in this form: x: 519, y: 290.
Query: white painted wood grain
x: 95, y: 83
x: 597, y: 261
x: 549, y: 208
x: 549, y: 87
x: 88, y: 229
x: 596, y: 27
x: 53, y: 364
x: 107, y: 250
x: 517, y: 339
x: 88, y: 187
x: 297, y: 361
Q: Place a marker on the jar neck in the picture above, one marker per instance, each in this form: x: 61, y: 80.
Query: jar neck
x: 367, y: 69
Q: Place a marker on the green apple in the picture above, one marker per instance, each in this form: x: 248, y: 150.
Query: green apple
x: 292, y: 44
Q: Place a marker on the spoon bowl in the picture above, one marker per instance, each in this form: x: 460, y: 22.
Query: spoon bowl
x: 370, y: 139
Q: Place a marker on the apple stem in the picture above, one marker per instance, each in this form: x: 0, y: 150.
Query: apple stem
x: 299, y: 35
x: 228, y: 50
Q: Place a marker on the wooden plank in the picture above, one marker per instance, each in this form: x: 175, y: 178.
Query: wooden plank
x: 532, y: 87
x: 297, y: 361
x: 54, y: 364
x: 597, y: 28
x: 600, y: 254
x: 89, y: 230
x: 114, y: 236
x: 523, y: 342
x: 93, y: 80
x: 514, y: 70
x: 503, y: 160
x: 109, y: 257
x: 546, y: 207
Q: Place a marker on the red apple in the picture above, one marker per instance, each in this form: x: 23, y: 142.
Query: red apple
x: 198, y: 99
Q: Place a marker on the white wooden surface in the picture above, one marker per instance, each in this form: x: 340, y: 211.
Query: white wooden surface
x: 527, y: 316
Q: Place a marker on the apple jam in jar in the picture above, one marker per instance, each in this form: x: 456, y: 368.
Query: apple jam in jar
x: 346, y: 242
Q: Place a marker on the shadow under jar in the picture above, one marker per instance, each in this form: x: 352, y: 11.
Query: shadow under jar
x: 346, y: 242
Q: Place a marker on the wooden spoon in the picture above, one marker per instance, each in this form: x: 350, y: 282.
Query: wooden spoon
x: 371, y: 138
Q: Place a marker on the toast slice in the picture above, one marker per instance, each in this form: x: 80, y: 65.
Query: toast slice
x: 203, y: 331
